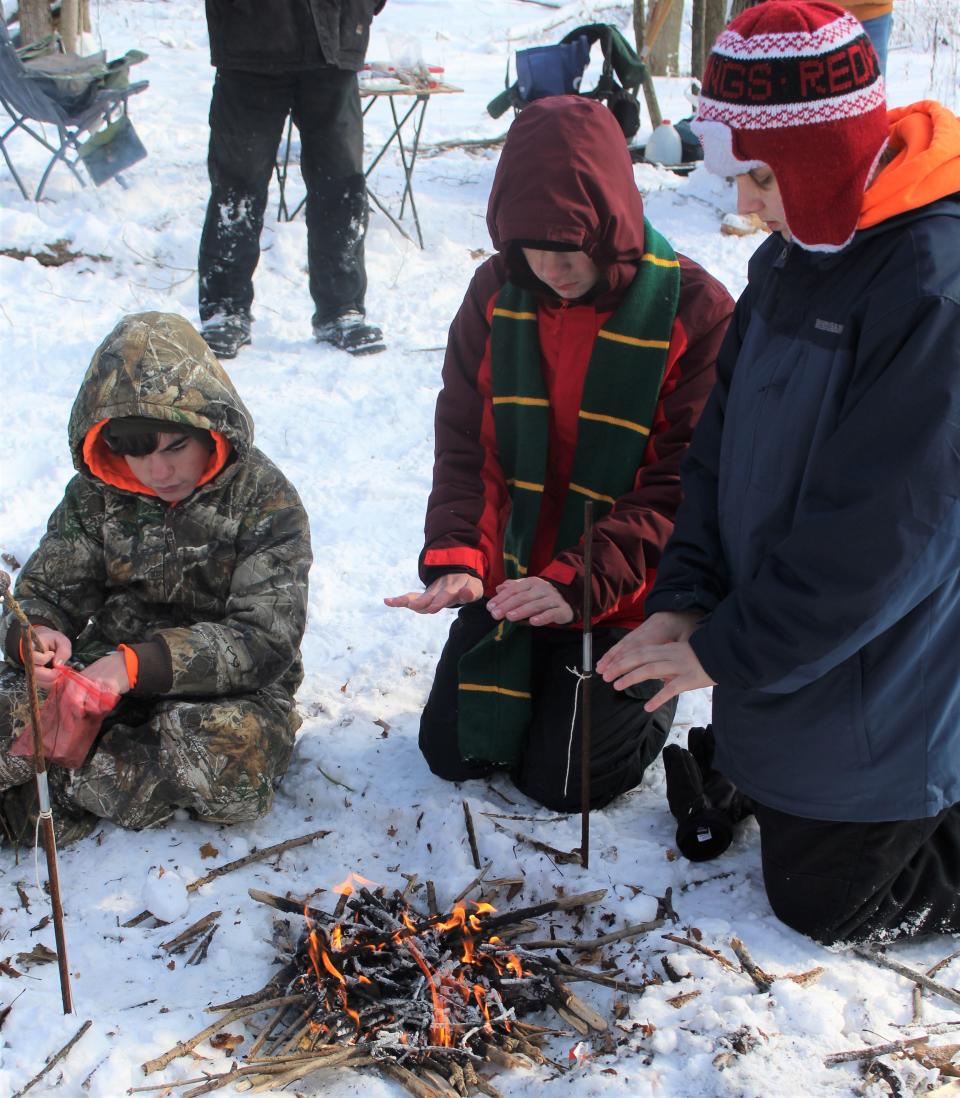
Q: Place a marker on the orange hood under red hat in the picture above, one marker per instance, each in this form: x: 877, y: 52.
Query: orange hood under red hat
x: 925, y: 164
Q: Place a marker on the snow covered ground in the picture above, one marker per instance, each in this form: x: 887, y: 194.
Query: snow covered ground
x: 355, y: 436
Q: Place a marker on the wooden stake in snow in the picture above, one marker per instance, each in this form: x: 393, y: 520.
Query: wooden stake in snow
x: 587, y: 673
x: 30, y: 642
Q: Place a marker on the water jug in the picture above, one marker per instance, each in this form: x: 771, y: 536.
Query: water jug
x: 664, y: 145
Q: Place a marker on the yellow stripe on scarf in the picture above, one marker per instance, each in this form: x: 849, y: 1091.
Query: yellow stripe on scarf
x: 662, y: 344
x: 532, y: 402
x: 530, y: 487
x: 591, y: 494
x: 482, y: 689
x: 514, y: 316
x: 649, y: 257
x: 638, y: 427
x: 521, y: 568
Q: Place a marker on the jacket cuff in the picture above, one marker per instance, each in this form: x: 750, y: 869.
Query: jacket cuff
x: 154, y: 668
x: 15, y: 635
x: 455, y: 559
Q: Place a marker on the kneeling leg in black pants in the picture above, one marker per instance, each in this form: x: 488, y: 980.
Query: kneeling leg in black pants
x: 853, y: 882
x: 625, y: 738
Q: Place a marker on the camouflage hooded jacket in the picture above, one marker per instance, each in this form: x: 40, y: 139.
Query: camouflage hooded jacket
x: 211, y: 592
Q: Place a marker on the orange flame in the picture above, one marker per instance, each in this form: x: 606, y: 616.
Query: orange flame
x: 440, y: 1032
x: 345, y: 888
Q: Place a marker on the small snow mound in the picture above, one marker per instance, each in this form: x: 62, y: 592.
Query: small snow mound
x: 165, y: 895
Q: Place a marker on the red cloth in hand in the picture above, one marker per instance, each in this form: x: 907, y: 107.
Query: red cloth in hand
x: 70, y: 719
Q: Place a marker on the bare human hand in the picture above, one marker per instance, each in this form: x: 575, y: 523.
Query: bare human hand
x: 454, y: 589
x: 657, y: 649
x: 530, y: 599
x: 57, y: 649
x: 109, y: 672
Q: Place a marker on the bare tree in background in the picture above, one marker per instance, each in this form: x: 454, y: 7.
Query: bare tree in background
x: 36, y: 22
x: 709, y: 19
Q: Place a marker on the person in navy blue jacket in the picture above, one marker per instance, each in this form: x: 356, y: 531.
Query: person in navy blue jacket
x: 814, y: 573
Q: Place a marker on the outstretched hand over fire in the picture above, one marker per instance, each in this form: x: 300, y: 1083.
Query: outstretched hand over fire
x: 658, y: 649
x: 454, y: 589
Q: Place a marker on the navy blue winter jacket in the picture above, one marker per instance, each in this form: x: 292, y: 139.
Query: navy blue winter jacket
x: 820, y: 529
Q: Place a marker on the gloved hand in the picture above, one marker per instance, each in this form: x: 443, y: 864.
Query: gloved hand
x: 705, y: 804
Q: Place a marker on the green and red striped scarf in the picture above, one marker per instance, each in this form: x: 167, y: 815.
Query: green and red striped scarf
x: 619, y: 401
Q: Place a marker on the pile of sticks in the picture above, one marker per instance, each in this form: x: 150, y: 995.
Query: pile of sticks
x: 429, y: 1000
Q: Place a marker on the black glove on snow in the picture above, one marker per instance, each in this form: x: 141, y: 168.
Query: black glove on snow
x: 705, y: 804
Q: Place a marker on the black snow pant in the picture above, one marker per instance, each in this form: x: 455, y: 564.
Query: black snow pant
x: 247, y: 116
x: 625, y: 739
x: 854, y: 882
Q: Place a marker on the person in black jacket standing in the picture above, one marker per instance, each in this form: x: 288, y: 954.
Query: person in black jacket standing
x: 298, y: 56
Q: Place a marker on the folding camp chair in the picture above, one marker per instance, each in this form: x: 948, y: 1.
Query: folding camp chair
x: 76, y: 96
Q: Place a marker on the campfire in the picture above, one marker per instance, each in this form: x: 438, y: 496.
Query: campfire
x: 428, y: 999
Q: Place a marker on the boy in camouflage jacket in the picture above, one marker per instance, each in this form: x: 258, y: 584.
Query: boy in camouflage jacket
x: 174, y: 572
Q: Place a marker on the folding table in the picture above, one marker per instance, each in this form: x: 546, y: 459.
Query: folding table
x: 407, y: 119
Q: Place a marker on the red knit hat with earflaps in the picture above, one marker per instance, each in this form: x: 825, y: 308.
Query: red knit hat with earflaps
x: 797, y: 86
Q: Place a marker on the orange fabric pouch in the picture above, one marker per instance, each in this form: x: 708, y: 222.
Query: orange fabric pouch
x: 70, y: 719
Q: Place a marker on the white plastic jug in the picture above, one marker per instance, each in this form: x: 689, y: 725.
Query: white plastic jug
x: 664, y: 145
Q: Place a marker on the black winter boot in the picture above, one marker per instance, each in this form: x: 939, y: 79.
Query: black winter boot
x: 705, y: 804
x: 350, y: 332
x: 225, y: 335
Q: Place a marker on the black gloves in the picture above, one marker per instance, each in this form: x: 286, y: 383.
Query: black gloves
x: 704, y: 803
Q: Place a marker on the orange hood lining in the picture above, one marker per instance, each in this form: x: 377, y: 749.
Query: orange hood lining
x: 112, y: 468
x: 925, y: 141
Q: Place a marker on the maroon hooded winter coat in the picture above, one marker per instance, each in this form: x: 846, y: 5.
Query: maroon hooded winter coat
x: 565, y: 177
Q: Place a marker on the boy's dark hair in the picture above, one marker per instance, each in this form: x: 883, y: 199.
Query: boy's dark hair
x: 137, y: 436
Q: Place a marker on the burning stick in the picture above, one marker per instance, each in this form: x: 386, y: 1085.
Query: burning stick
x: 587, y: 673
x: 29, y: 643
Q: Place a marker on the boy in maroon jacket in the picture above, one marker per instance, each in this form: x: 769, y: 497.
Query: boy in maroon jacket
x: 576, y: 369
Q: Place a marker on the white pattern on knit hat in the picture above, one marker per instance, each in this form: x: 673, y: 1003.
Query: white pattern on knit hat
x: 762, y: 116
x: 791, y: 43
x: 718, y: 154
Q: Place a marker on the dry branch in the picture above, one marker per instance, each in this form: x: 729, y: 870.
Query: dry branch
x: 55, y: 1059
x: 873, y: 1052
x: 471, y: 835
x: 706, y: 951
x: 183, y: 939
x: 595, y: 943
x: 293, y: 907
x: 255, y: 855
x: 763, y: 980
x: 910, y: 973
x: 182, y: 1047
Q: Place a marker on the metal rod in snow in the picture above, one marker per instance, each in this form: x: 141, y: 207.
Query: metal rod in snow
x: 587, y: 672
x: 28, y: 643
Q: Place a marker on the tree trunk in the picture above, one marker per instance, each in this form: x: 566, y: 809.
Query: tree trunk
x: 714, y: 20
x: 35, y: 21
x: 638, y: 23
x: 697, y: 58
x: 740, y: 5
x: 70, y: 25
x: 665, y: 54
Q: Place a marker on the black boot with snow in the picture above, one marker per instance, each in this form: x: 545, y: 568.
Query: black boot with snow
x: 225, y: 335
x: 350, y: 332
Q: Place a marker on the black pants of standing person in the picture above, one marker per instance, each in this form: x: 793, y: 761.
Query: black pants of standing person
x: 247, y: 116
x: 625, y: 739
x: 854, y: 882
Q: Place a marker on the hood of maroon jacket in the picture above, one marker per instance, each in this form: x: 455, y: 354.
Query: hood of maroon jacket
x: 565, y: 176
